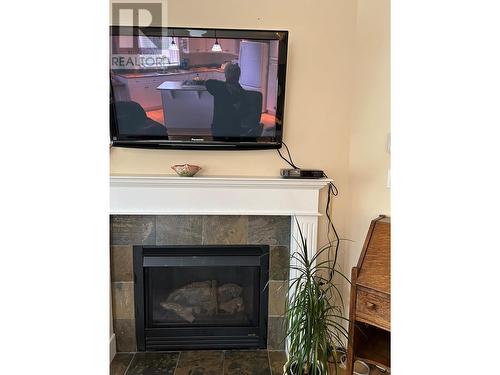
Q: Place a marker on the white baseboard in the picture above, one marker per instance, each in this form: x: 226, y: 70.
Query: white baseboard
x: 112, y: 347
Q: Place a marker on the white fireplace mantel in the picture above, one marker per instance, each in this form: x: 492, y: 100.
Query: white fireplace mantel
x: 160, y: 195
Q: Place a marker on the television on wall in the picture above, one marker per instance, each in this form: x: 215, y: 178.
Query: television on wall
x: 197, y: 88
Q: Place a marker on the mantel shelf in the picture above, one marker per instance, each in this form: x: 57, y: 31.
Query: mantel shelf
x: 214, y: 195
x: 217, y: 182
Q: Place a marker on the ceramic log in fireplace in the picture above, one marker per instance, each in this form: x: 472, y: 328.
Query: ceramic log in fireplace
x: 201, y: 297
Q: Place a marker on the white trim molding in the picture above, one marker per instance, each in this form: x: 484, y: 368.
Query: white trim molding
x: 112, y: 347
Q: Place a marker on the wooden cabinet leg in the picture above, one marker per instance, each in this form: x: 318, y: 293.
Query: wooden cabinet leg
x: 352, y: 316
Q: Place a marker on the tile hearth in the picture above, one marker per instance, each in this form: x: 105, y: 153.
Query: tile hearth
x: 216, y: 362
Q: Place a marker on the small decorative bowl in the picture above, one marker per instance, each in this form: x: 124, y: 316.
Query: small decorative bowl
x: 186, y: 170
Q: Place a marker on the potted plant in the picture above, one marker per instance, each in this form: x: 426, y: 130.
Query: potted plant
x: 314, y: 314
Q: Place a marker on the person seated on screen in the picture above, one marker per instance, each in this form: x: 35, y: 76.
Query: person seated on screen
x: 228, y: 99
x: 133, y: 120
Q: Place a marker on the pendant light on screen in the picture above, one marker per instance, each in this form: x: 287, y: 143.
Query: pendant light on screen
x: 173, y: 46
x: 216, y: 47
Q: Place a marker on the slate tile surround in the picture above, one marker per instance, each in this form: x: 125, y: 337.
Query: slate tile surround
x: 199, y: 229
x: 133, y: 230
x: 123, y: 300
x: 179, y: 230
x: 125, y: 335
x: 277, y: 295
x: 122, y: 268
x: 275, y: 333
x: 225, y: 230
x: 130, y: 230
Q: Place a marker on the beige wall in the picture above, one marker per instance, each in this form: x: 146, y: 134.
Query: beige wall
x: 369, y: 160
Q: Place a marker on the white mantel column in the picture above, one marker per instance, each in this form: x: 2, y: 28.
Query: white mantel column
x: 309, y: 227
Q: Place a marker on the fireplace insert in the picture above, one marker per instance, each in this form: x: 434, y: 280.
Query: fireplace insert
x: 201, y: 297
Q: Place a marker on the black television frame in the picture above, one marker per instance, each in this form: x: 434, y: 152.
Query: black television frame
x: 121, y: 140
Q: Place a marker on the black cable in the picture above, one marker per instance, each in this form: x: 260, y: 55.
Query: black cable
x: 290, y: 155
x: 290, y: 162
x: 291, y: 165
x: 332, y: 192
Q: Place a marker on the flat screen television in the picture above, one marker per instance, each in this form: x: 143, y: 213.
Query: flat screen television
x: 197, y: 88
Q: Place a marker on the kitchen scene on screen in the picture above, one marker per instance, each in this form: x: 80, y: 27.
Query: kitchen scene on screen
x: 211, y: 88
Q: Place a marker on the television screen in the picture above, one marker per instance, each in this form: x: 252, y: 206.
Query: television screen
x: 174, y: 87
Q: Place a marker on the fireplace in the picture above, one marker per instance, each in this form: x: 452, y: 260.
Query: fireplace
x: 170, y: 211
x: 201, y: 296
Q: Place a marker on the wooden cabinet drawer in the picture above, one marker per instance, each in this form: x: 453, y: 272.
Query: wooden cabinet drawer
x: 373, y: 308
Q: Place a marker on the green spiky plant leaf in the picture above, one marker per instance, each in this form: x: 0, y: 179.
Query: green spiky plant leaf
x: 314, y: 312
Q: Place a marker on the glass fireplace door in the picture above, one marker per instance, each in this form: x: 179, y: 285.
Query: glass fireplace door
x: 201, y: 297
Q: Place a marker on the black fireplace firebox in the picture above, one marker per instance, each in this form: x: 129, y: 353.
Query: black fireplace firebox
x: 201, y: 297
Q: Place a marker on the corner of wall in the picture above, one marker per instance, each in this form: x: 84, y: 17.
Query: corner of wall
x: 369, y: 160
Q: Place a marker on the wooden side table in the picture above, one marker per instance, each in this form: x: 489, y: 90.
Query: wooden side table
x: 369, y: 312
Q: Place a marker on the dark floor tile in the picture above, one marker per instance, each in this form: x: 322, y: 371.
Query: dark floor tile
x: 120, y: 363
x: 178, y: 230
x: 122, y: 267
x: 276, y: 333
x: 230, y: 230
x: 153, y: 364
x: 277, y: 360
x: 200, y: 363
x: 269, y: 230
x: 125, y: 335
x: 132, y: 230
x: 279, y: 262
x: 251, y: 362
